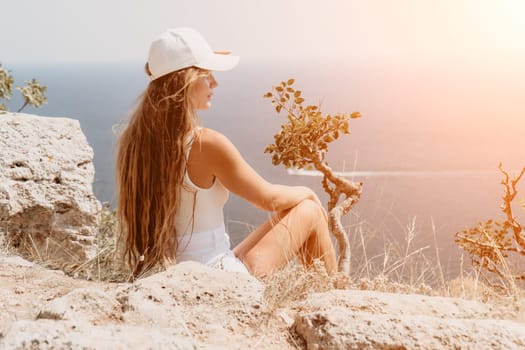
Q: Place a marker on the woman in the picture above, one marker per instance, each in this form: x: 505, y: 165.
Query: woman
x: 174, y: 176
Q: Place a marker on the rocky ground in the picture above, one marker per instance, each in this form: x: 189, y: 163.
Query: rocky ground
x: 190, y: 306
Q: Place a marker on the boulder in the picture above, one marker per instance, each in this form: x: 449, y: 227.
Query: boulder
x: 216, y: 306
x: 48, y: 334
x: 47, y: 206
x: 185, y: 307
x: 373, y: 320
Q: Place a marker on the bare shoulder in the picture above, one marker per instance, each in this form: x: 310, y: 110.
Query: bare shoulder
x: 214, y: 141
x: 210, y: 135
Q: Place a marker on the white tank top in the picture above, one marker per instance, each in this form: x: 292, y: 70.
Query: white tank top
x: 200, y: 209
x: 200, y: 224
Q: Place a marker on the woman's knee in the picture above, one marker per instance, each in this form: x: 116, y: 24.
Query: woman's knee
x: 309, y: 208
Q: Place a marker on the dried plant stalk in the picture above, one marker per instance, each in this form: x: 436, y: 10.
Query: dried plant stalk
x: 492, y: 244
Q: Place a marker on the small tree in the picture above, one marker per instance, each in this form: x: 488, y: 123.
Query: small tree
x: 303, y: 143
x: 6, y: 87
x: 492, y: 244
x: 33, y: 93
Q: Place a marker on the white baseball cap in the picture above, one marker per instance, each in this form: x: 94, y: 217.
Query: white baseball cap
x: 179, y: 48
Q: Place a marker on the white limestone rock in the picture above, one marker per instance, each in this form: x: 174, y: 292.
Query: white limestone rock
x: 217, y: 307
x: 83, y: 304
x: 47, y: 205
x: 188, y: 305
x: 48, y: 334
x: 373, y: 320
x: 193, y: 306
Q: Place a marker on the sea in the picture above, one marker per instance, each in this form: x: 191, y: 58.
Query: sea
x: 427, y: 148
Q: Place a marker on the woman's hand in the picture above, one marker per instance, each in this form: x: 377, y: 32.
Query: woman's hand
x: 310, y: 194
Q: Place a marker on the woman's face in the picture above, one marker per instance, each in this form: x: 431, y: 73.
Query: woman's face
x: 203, y: 91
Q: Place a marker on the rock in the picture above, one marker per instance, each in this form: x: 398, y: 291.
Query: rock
x: 373, y: 320
x: 47, y: 334
x: 192, y: 306
x: 47, y: 206
x: 83, y: 304
x: 15, y: 261
x: 183, y: 296
x: 188, y: 304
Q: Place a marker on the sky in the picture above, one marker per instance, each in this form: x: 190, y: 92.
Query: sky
x: 121, y: 30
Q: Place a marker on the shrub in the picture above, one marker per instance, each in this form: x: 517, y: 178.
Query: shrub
x: 303, y: 143
x: 496, y: 246
x: 34, y: 94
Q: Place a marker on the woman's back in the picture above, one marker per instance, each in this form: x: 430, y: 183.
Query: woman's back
x: 200, y: 208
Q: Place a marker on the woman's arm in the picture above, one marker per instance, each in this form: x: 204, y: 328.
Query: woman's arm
x: 224, y: 161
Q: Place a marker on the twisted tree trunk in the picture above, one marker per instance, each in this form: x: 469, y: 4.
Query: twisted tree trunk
x: 352, y: 192
x: 510, y: 194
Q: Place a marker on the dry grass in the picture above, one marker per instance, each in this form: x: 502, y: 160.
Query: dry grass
x: 393, y: 264
x: 108, y: 264
x: 294, y: 282
x: 5, y: 248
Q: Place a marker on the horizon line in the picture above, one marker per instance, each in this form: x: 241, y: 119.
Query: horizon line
x: 379, y: 173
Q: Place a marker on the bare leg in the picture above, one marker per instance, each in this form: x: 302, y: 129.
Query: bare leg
x: 301, y: 230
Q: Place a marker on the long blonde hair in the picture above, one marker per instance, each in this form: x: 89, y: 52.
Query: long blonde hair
x: 150, y: 168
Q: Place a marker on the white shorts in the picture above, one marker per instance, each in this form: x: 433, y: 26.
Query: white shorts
x: 211, y: 248
x: 228, y: 262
